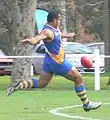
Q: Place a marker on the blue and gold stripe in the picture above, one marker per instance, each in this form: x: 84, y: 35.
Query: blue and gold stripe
x: 81, y: 92
x: 31, y: 83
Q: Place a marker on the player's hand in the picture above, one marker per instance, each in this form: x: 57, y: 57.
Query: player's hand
x: 74, y: 34
x: 71, y: 35
x: 25, y: 41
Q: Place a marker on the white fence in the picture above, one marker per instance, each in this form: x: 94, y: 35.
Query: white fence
x: 96, y: 72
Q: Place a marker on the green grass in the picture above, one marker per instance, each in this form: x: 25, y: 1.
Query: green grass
x: 35, y: 104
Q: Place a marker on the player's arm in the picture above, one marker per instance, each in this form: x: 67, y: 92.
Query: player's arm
x: 67, y: 35
x: 44, y: 35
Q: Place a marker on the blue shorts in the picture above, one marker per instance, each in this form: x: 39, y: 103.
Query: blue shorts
x: 50, y: 66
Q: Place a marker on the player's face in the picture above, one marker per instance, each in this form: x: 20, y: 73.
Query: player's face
x: 58, y: 21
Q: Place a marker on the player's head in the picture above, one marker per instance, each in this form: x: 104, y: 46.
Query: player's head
x: 54, y: 18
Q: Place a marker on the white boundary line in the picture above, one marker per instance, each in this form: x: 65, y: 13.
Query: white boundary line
x: 56, y: 112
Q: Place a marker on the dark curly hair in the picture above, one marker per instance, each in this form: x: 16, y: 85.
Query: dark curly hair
x: 52, y: 14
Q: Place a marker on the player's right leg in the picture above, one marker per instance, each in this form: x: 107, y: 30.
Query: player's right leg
x: 92, y: 106
x: 31, y: 83
x: 80, y: 89
x: 67, y: 70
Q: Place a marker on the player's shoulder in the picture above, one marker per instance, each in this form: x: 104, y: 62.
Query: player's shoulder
x: 46, y: 31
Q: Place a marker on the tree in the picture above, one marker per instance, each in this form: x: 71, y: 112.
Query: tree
x: 107, y: 33
x: 19, y: 21
x: 5, y: 21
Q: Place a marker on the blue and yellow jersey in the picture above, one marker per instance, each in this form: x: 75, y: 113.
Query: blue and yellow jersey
x: 54, y: 47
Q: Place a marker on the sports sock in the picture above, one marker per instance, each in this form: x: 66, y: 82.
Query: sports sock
x: 31, y: 83
x: 81, y: 92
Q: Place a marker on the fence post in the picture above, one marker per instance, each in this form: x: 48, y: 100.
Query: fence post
x: 97, y: 69
x: 32, y: 71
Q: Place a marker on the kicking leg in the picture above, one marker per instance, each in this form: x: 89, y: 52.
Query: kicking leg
x: 75, y: 76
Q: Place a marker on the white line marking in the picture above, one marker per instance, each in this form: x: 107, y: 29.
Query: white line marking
x: 56, y: 112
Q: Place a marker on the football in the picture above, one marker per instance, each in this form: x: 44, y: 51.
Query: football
x: 86, y: 61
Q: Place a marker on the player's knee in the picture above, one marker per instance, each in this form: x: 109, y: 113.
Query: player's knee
x: 80, y: 76
x: 42, y: 85
x: 79, y: 79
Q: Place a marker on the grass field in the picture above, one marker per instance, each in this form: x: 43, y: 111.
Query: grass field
x: 58, y: 96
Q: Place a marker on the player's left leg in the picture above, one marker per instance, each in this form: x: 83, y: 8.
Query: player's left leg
x: 44, y: 79
x: 36, y: 83
x: 31, y: 83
